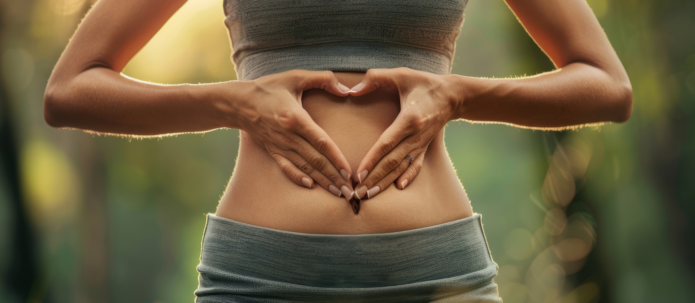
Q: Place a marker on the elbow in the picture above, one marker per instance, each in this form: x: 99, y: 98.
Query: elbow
x: 52, y: 104
x: 624, y: 102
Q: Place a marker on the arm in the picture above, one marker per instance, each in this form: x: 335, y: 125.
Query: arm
x: 589, y: 86
x: 87, y: 91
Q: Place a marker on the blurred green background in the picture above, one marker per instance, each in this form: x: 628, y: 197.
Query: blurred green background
x: 595, y: 215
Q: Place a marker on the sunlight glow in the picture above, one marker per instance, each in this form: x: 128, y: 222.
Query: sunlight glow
x: 192, y: 46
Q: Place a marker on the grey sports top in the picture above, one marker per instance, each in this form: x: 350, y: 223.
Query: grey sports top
x: 272, y: 36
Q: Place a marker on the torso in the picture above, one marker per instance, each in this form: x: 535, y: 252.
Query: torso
x: 260, y: 194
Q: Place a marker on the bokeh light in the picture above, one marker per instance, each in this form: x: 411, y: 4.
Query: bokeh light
x: 601, y: 214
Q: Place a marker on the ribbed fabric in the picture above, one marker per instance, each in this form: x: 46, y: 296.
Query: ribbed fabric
x: 272, y: 36
x: 442, y: 263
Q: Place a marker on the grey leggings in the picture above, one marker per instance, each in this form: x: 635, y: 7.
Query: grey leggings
x: 449, y: 262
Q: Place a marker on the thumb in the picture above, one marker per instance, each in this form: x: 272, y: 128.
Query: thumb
x: 325, y: 80
x: 376, y: 78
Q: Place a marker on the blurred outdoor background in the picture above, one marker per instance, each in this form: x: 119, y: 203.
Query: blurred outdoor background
x: 601, y: 214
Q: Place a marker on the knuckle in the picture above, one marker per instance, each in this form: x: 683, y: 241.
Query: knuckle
x: 371, y: 179
x: 290, y: 75
x: 404, y: 173
x: 416, y: 169
x: 319, y: 79
x: 417, y: 122
x: 417, y: 166
x: 287, y: 169
x: 277, y: 157
x: 393, y: 176
x: 409, y: 174
x: 273, y: 149
x: 321, y: 180
x: 375, y: 177
x: 321, y: 145
x: 401, y: 71
x: 287, y: 119
x: 326, y: 76
x: 334, y: 179
x: 317, y: 162
x: 298, y: 77
x: 403, y: 166
x: 391, y: 163
x: 282, y: 142
x: 295, y: 73
x: 306, y: 167
x: 372, y: 77
x: 387, y: 145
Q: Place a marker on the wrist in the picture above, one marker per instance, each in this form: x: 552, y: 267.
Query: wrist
x: 470, y: 93
x: 224, y: 101
x: 456, y: 94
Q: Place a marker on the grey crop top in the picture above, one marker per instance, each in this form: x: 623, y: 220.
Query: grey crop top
x: 272, y: 36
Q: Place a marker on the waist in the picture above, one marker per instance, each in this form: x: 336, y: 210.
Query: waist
x: 449, y: 254
x: 260, y: 194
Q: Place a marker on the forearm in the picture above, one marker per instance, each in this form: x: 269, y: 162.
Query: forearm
x: 575, y: 95
x: 104, y: 101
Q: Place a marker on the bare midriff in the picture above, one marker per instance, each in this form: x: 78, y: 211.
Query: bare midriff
x: 260, y: 194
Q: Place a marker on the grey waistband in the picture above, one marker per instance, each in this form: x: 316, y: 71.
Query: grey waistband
x: 242, y: 260
x: 341, y: 56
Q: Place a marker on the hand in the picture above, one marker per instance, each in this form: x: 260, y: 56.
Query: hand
x: 427, y: 104
x: 274, y: 117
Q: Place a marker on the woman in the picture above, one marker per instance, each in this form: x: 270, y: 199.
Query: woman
x: 351, y: 96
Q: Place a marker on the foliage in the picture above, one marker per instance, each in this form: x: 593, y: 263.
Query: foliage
x: 598, y: 214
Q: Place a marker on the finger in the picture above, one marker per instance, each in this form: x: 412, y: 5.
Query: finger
x: 316, y: 175
x: 388, y: 140
x: 324, y: 145
x: 409, y: 175
x: 325, y: 80
x: 292, y: 172
x: 389, y: 163
x: 321, y: 164
x: 388, y: 179
x: 376, y: 78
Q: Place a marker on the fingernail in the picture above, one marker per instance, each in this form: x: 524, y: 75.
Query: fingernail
x: 307, y: 182
x: 404, y: 183
x: 373, y: 191
x: 334, y: 190
x: 362, y: 175
x: 360, y: 192
x: 347, y: 193
x: 343, y: 88
x: 357, y: 87
x: 345, y: 174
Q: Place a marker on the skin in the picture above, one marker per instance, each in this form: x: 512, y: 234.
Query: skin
x: 86, y: 91
x: 306, y: 127
x: 589, y: 86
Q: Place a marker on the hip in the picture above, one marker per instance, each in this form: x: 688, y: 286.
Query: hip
x: 247, y: 263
